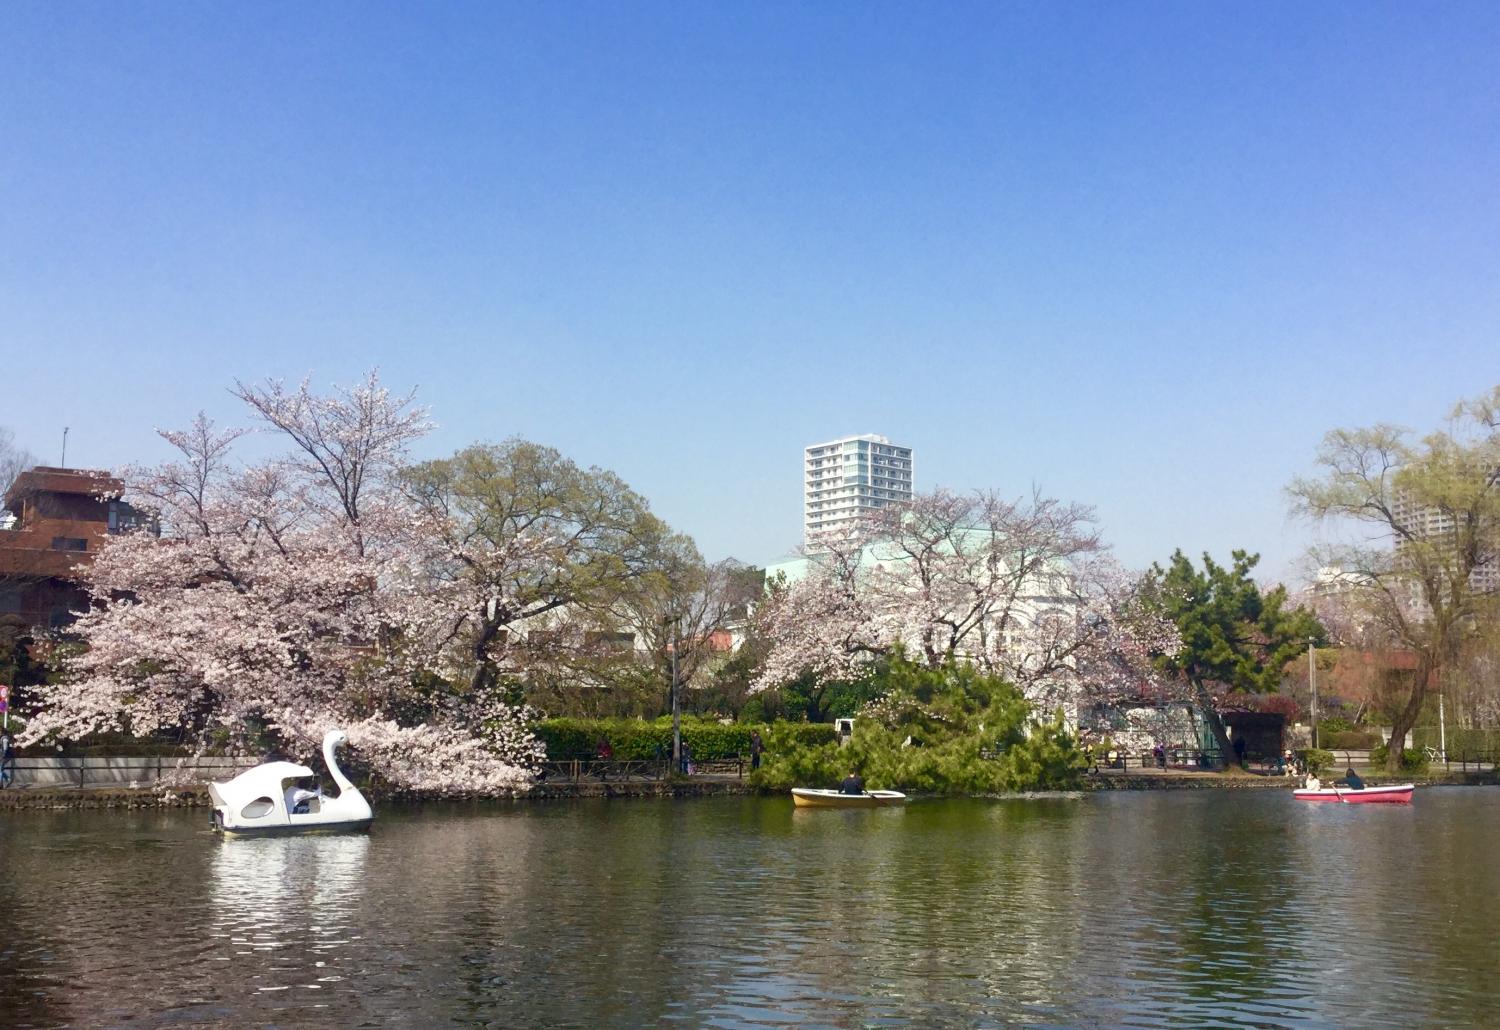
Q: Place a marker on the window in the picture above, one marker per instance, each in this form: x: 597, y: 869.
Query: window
x: 69, y: 543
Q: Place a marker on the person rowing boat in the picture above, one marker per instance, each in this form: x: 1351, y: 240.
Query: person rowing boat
x: 854, y: 783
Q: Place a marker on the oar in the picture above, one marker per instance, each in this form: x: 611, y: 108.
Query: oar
x: 1342, y: 799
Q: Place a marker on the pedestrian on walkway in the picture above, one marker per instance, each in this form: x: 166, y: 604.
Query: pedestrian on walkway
x: 603, y: 752
x: 7, y: 760
x: 756, y: 747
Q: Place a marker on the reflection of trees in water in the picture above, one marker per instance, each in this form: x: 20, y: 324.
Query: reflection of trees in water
x: 949, y: 892
x: 94, y: 905
x: 1413, y: 891
x: 568, y: 917
x: 1210, y: 894
x: 1104, y: 910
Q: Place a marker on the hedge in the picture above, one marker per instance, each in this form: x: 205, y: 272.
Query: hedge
x: 1316, y: 760
x: 1349, y: 740
x: 638, y: 739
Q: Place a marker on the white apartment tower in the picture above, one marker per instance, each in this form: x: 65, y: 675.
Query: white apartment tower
x: 848, y: 478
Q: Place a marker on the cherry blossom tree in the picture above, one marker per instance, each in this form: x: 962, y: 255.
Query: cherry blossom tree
x: 280, y: 599
x: 1022, y: 589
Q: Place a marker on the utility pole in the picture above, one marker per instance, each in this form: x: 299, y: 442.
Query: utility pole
x: 64, y: 462
x: 1442, y: 730
x: 1312, y: 678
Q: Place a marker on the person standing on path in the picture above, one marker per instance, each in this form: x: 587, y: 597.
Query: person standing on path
x: 7, y: 760
x: 756, y: 747
x: 603, y: 753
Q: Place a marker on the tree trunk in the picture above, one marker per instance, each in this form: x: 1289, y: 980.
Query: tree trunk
x: 484, y: 670
x: 1215, y: 724
x: 1406, y: 717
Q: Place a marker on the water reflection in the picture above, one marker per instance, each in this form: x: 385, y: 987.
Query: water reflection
x: 1112, y: 910
x: 294, y: 895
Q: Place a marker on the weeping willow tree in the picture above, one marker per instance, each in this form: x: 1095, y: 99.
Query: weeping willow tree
x: 1420, y: 562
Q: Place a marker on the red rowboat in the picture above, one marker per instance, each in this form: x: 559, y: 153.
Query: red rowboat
x: 1395, y: 794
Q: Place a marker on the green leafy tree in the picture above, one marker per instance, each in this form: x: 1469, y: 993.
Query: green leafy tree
x: 1433, y: 507
x: 950, y: 729
x: 539, y: 546
x: 1233, y: 636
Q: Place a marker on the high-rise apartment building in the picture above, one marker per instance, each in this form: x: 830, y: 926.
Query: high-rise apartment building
x: 846, y: 479
x: 1433, y: 525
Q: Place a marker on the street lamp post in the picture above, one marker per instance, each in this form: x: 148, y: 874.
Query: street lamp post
x: 676, y: 621
x: 1312, y: 678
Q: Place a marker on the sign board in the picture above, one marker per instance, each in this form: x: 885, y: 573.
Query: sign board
x: 4, y: 692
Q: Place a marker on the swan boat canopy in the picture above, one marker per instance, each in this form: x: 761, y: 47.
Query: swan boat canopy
x: 261, y: 802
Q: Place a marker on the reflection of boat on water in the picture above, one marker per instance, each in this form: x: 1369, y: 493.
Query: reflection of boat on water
x: 1395, y: 794
x: 809, y: 797
x: 299, y: 891
x: 258, y: 802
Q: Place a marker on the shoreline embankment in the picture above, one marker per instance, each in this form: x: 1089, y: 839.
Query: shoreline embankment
x: 196, y: 796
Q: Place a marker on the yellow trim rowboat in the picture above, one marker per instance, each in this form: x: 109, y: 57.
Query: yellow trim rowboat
x: 808, y: 797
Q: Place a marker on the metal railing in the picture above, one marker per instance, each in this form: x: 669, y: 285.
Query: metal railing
x: 64, y: 770
x: 577, y: 770
x: 1177, y: 758
x: 1465, y: 761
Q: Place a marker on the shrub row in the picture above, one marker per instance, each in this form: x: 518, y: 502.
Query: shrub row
x: 1348, y: 740
x: 638, y: 739
x: 1412, y: 760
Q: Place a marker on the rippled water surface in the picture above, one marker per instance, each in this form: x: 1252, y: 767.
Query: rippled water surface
x: 1131, y: 909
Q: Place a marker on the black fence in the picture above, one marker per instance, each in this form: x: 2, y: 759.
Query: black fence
x: 576, y: 770
x: 1463, y: 761
x: 1179, y: 758
x: 1190, y: 759
x: 64, y: 770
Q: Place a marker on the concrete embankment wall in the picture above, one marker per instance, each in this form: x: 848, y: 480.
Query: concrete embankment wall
x: 125, y: 771
x: 64, y: 797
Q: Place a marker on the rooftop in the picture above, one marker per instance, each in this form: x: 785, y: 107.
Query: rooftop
x: 46, y: 479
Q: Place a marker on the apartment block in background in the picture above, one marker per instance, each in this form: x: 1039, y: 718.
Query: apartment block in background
x: 846, y: 479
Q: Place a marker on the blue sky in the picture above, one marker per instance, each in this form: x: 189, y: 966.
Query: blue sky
x: 1140, y: 255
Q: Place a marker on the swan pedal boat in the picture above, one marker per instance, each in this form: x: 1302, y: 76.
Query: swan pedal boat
x: 1395, y: 794
x: 257, y: 803
x: 809, y: 797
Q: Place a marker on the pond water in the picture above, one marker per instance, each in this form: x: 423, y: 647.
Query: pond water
x: 1130, y: 909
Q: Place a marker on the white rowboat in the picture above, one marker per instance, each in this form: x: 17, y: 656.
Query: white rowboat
x: 808, y: 797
